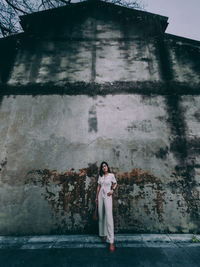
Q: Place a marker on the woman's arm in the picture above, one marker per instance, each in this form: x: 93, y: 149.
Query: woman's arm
x: 114, y: 186
x: 112, y: 190
x: 98, y: 189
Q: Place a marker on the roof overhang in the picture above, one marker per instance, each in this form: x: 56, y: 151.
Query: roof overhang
x: 78, y: 9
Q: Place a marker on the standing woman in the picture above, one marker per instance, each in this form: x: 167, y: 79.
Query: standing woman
x: 106, y: 186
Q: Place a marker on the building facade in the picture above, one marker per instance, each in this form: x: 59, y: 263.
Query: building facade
x: 90, y: 82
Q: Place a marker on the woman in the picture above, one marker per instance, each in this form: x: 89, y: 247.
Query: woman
x: 104, y: 193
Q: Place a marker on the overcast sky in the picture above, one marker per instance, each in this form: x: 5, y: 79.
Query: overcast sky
x: 184, y: 16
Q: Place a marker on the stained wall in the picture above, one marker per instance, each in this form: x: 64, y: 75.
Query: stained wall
x: 94, y: 90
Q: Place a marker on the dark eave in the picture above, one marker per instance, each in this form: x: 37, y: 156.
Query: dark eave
x: 182, y: 39
x: 77, y: 9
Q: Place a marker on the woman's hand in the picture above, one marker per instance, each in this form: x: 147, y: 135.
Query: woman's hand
x: 96, y: 201
x: 110, y: 193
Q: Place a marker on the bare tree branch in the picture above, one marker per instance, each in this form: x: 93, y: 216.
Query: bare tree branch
x: 16, y: 8
x: 65, y: 2
x: 10, y: 10
x: 5, y: 31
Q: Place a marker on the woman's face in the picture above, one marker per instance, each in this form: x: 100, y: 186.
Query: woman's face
x: 104, y: 168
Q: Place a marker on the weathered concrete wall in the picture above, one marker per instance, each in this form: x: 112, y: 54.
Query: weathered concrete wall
x: 102, y: 50
x: 184, y: 57
x: 96, y: 51
x: 92, y: 89
x: 51, y: 147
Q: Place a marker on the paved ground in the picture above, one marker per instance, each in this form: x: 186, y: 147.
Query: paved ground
x: 82, y: 250
x: 145, y: 256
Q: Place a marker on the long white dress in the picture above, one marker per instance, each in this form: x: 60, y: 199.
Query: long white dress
x: 106, y: 225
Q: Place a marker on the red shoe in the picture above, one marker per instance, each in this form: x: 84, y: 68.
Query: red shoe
x: 112, y: 248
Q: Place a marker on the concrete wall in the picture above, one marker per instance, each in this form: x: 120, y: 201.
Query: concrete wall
x: 102, y: 51
x: 44, y: 137
x: 184, y: 59
x: 95, y: 51
x: 93, y: 91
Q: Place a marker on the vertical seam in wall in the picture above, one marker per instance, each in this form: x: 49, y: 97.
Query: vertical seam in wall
x: 178, y: 127
x: 93, y: 65
x: 8, y: 66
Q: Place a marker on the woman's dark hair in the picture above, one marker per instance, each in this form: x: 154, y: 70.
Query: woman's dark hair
x: 100, y: 170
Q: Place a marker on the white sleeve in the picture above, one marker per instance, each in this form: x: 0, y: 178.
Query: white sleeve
x: 113, y: 179
x: 99, y: 179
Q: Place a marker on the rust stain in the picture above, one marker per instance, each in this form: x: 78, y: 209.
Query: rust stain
x: 72, y: 194
x: 141, y: 178
x: 67, y: 193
